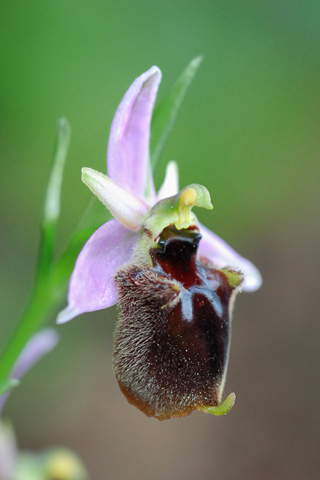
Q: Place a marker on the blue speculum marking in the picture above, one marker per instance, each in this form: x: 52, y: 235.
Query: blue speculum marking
x: 199, y: 322
x: 187, y: 301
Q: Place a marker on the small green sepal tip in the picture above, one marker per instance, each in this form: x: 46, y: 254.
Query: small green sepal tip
x: 235, y: 278
x: 223, y: 408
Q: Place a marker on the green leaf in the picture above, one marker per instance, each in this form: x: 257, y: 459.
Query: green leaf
x: 52, y: 202
x: 8, y: 384
x: 44, y: 297
x: 51, y: 209
x: 165, y: 113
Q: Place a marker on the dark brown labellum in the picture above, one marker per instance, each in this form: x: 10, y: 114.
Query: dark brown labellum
x: 173, y: 334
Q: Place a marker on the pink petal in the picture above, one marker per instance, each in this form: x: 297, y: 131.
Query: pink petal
x: 39, y: 345
x: 128, y: 148
x: 92, y: 286
x: 222, y: 255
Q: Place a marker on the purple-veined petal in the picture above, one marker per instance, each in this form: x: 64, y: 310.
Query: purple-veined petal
x: 92, y: 285
x: 128, y: 147
x: 39, y: 345
x: 126, y: 207
x: 222, y: 255
x: 170, y: 184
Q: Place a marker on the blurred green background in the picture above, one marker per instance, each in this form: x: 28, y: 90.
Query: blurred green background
x: 249, y: 131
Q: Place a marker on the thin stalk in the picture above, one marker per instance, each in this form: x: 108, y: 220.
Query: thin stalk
x: 45, y: 294
x: 39, y: 307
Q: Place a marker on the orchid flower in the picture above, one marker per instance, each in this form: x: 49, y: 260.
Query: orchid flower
x: 155, y: 252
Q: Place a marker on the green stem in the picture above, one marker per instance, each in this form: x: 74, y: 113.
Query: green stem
x: 49, y: 291
x: 39, y: 307
x: 46, y: 292
x: 45, y: 253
